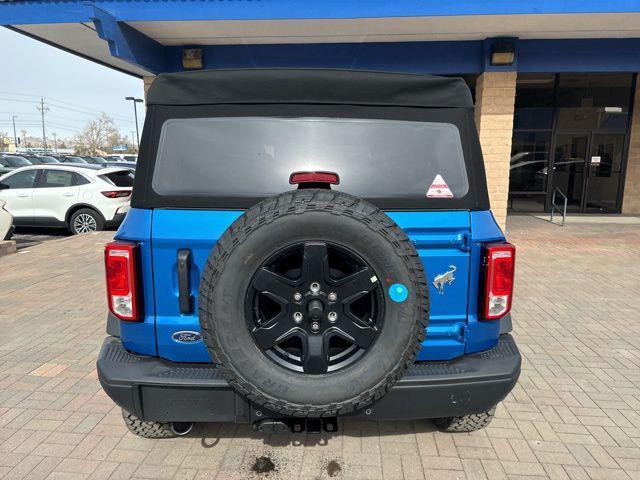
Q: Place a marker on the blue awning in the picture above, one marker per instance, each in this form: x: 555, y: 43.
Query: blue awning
x: 142, y: 37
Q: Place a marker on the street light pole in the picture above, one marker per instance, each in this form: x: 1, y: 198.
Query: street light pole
x: 15, y: 136
x: 135, y: 115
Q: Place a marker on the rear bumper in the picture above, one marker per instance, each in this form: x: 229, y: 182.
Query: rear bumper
x: 155, y: 389
x: 116, y: 220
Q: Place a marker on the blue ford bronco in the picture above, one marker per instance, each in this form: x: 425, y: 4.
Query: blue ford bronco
x: 305, y: 244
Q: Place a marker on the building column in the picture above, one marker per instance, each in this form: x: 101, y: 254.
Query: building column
x: 631, y: 198
x: 147, y: 81
x: 495, y: 99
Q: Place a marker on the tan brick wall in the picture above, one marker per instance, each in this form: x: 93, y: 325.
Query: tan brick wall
x: 495, y: 98
x: 631, y: 198
x: 147, y: 83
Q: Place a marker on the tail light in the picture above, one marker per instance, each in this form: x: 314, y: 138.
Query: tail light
x: 117, y: 193
x: 120, y: 266
x: 498, y: 283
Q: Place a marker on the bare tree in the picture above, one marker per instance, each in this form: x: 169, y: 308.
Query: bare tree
x: 4, y: 144
x: 97, y: 135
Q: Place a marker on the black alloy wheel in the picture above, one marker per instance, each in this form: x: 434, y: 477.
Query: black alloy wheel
x: 315, y: 307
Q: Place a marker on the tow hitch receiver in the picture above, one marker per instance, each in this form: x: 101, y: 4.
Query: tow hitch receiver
x: 295, y: 425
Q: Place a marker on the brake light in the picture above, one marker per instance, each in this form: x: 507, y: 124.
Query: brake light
x: 314, y: 177
x: 498, y: 283
x: 120, y: 267
x: 117, y: 193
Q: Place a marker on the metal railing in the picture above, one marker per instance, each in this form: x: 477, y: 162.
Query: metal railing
x: 554, y: 207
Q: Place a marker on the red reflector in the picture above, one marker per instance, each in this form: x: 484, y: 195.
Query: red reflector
x: 500, y: 261
x: 120, y: 268
x: 117, y: 193
x: 314, y: 177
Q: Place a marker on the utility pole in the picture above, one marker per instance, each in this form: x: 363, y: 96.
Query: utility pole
x: 15, y: 136
x: 43, y: 109
x: 55, y: 142
x: 135, y: 115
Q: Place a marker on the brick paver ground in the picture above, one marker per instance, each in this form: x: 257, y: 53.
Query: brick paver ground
x: 574, y: 414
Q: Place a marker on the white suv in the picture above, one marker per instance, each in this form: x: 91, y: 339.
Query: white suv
x: 82, y: 199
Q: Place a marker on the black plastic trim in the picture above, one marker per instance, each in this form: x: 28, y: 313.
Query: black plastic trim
x: 156, y: 389
x: 506, y: 324
x: 113, y: 325
x: 184, y: 270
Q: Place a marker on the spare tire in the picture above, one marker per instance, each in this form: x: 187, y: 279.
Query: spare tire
x: 313, y: 303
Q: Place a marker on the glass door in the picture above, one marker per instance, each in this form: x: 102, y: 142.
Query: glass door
x: 569, y: 167
x: 587, y: 168
x: 604, y: 169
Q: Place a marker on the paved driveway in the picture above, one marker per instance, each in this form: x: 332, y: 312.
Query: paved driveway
x: 574, y: 414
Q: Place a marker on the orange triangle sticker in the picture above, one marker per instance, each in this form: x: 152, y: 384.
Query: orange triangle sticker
x: 439, y: 189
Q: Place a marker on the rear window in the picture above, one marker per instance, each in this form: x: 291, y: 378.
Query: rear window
x: 122, y: 178
x: 254, y: 156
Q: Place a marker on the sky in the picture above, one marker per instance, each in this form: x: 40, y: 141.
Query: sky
x: 75, y: 90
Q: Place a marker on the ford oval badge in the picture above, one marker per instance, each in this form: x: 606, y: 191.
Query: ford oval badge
x: 186, y: 336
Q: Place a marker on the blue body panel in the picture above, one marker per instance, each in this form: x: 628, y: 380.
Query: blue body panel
x: 443, y: 239
x: 140, y: 336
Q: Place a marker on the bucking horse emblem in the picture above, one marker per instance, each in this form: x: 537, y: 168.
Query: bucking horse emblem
x: 444, y: 278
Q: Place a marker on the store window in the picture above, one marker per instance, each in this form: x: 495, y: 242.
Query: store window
x: 570, y: 132
x: 531, y: 144
x: 534, y: 101
x: 594, y: 102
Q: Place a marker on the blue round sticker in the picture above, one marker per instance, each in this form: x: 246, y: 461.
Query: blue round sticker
x: 398, y: 292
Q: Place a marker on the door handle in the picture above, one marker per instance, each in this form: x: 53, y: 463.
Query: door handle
x: 68, y: 194
x: 184, y: 293
x: 22, y: 195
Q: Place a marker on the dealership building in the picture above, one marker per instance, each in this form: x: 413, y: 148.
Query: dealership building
x: 554, y: 82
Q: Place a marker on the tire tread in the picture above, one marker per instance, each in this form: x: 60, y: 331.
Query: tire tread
x: 296, y: 203
x: 146, y: 428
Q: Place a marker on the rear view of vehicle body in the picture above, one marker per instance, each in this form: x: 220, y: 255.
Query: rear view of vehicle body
x: 11, y: 162
x: 41, y: 159
x: 6, y: 222
x: 304, y: 245
x: 61, y: 195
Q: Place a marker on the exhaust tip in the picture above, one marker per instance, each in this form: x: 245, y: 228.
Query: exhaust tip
x: 180, y: 428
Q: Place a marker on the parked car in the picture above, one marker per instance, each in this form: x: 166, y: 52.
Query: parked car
x: 41, y: 159
x: 79, y: 198
x: 6, y: 222
x: 123, y: 157
x: 73, y: 159
x: 129, y: 165
x: 95, y: 160
x: 294, y: 234
x: 9, y: 162
x: 5, y: 166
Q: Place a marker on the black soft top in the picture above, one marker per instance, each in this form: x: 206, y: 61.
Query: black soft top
x: 308, y: 86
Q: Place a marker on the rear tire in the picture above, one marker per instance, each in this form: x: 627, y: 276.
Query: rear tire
x: 465, y: 423
x: 86, y: 220
x: 146, y: 428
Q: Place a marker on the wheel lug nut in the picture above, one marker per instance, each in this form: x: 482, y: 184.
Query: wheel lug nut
x: 297, y: 317
x: 315, y: 287
x: 333, y: 297
x: 332, y: 317
x: 297, y: 296
x: 315, y: 326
